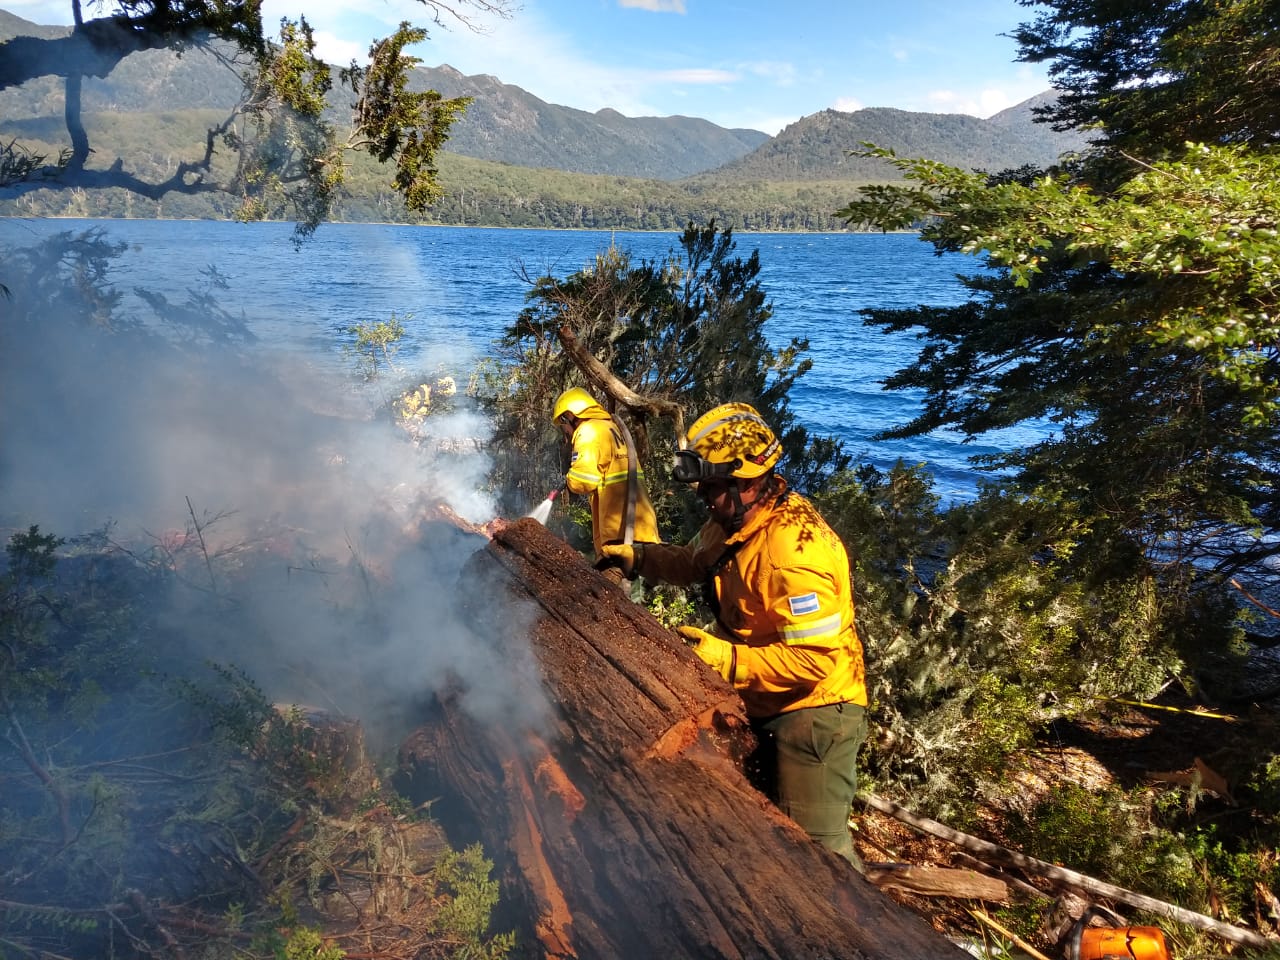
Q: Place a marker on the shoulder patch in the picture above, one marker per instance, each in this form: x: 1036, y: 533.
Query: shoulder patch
x: 804, y: 604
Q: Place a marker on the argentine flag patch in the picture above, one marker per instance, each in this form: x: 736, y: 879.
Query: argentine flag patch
x: 804, y: 604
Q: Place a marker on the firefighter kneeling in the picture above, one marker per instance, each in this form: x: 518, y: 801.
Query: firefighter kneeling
x: 778, y: 579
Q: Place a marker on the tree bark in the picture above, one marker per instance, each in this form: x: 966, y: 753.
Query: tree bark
x: 623, y: 825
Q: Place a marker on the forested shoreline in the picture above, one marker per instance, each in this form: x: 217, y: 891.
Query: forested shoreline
x: 478, y: 193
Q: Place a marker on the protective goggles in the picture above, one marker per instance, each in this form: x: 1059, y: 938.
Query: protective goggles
x: 691, y: 468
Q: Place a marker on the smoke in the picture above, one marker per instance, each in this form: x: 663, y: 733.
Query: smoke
x: 298, y: 526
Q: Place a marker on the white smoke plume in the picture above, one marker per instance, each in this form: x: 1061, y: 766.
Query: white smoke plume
x: 297, y: 515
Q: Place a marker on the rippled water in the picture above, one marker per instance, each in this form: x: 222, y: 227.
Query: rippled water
x: 462, y: 286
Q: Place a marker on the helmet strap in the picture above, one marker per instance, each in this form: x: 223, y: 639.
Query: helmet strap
x: 765, y: 487
x: 739, y: 508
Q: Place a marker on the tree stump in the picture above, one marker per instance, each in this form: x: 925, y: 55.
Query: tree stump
x: 622, y: 825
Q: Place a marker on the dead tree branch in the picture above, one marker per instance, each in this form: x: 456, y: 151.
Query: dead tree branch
x: 1062, y: 877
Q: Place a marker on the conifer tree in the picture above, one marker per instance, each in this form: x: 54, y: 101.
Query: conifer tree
x: 1129, y: 309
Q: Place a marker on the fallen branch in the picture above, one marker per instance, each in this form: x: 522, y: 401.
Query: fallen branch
x: 931, y: 881
x: 1270, y: 611
x: 973, y: 863
x: 1069, y: 878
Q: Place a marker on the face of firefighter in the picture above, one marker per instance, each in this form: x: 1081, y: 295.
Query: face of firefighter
x: 718, y: 497
x: 566, y: 425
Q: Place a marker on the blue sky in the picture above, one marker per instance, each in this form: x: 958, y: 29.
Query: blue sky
x: 737, y: 63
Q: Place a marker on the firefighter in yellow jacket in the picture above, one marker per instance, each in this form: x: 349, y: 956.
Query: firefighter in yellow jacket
x: 603, y: 467
x: 778, y: 579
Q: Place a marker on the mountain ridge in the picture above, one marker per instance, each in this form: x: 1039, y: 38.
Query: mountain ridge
x: 507, y: 124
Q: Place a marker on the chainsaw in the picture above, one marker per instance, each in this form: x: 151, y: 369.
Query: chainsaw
x: 1114, y: 943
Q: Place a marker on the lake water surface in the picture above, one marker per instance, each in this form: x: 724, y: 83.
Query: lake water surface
x: 460, y: 287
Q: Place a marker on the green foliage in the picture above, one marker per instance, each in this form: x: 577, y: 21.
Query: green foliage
x: 1263, y: 784
x: 1147, y: 79
x: 394, y: 123
x: 1147, y: 841
x: 1179, y: 234
x: 686, y: 330
x: 70, y: 636
x: 289, y: 939
x: 375, y: 346
x: 981, y: 626
x: 1024, y: 916
x: 307, y: 944
x: 1126, y: 312
x: 61, y: 649
x: 293, y: 759
x: 19, y: 162
x: 1195, y: 239
x: 277, y: 151
x: 671, y: 606
x: 286, y: 141
x: 464, y: 920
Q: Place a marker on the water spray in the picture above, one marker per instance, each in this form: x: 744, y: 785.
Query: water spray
x: 543, y: 510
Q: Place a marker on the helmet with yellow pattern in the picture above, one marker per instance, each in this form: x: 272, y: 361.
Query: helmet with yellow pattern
x: 731, y: 440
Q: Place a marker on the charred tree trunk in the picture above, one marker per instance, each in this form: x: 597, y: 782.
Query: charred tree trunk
x: 623, y: 826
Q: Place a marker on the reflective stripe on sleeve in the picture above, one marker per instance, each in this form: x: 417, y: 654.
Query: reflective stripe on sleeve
x: 610, y: 479
x: 591, y: 479
x: 828, y: 628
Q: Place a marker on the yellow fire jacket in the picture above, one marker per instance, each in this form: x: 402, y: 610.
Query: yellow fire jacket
x: 598, y: 469
x: 783, y: 587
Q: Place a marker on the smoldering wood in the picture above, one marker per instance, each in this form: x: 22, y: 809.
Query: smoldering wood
x: 624, y: 826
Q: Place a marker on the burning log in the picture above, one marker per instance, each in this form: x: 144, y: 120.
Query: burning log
x: 623, y: 825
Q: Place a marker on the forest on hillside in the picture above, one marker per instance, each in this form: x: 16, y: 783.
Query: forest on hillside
x: 474, y: 192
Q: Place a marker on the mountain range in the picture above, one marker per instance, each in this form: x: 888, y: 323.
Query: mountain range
x: 508, y: 126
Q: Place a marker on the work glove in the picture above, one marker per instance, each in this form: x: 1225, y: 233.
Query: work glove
x: 718, y: 654
x: 621, y: 555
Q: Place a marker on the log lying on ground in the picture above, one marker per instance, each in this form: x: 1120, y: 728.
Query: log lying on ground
x: 1061, y: 877
x: 623, y: 826
x: 930, y: 881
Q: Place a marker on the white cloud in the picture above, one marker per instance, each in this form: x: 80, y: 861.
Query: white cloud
x: 947, y: 101
x: 339, y: 52
x: 657, y: 6
x: 980, y: 103
x: 770, y: 125
x: 993, y: 101
x: 848, y: 105
x: 541, y: 56
x: 779, y: 71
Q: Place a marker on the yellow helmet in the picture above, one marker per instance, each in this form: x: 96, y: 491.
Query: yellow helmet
x: 731, y: 440
x: 577, y: 401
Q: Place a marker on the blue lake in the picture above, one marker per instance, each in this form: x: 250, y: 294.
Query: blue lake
x: 460, y: 287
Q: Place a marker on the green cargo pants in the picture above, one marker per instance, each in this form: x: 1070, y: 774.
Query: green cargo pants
x: 806, y: 762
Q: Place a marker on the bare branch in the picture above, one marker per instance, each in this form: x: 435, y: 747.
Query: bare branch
x: 603, y: 378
